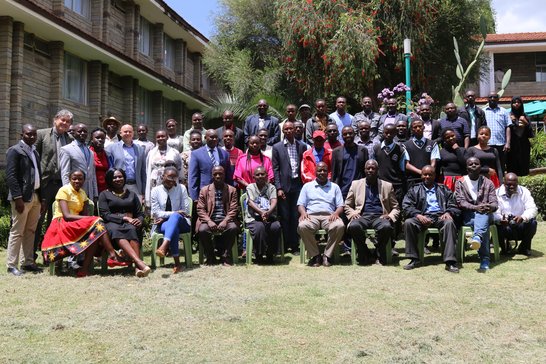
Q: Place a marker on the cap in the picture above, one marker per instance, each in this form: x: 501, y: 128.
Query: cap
x: 303, y: 106
x: 319, y: 133
x: 110, y: 118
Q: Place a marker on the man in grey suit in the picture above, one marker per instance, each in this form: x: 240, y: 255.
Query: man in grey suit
x: 130, y: 157
x: 77, y: 155
x: 392, y: 117
x: 48, y: 146
x: 262, y: 120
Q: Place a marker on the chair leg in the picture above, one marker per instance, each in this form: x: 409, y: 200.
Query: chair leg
x: 186, y: 239
x: 52, y: 268
x: 155, y: 240
x: 353, y: 252
x: 302, y: 252
x: 282, y: 248
x: 104, y: 263
x: 249, y: 247
x: 495, y: 239
x: 421, y: 246
x: 235, y: 251
x: 388, y: 251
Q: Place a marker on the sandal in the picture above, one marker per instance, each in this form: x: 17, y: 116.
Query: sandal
x: 141, y: 273
x: 178, y: 269
x: 115, y: 263
x: 160, y: 253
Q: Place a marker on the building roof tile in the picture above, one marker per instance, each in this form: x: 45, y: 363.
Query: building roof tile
x: 516, y: 37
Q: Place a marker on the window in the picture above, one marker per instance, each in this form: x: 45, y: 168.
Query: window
x: 541, y: 73
x: 145, y: 40
x: 168, y: 61
x: 75, y: 79
x: 168, y: 109
x: 144, y: 106
x: 78, y: 6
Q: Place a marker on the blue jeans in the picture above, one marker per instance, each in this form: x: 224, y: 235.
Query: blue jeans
x: 175, y: 225
x: 480, y: 223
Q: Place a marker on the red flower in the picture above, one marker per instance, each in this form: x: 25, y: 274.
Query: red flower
x: 309, y: 2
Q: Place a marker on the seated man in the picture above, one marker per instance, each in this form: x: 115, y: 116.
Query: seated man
x: 475, y: 195
x: 429, y: 204
x: 320, y: 204
x: 217, y: 217
x: 371, y: 204
x: 516, y: 215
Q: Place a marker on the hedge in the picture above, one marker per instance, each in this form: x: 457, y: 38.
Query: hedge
x: 537, y: 187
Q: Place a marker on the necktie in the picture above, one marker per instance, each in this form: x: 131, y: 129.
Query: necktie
x: 168, y: 205
x: 419, y: 143
x: 212, y: 159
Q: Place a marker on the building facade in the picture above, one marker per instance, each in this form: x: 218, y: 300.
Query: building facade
x: 137, y: 60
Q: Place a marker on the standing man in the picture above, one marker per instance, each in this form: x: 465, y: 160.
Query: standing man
x: 48, y: 145
x: 305, y: 114
x: 111, y: 125
x: 431, y: 127
x: 23, y: 181
x: 262, y: 120
x: 291, y: 114
x: 196, y: 124
x: 332, y: 134
x: 475, y: 195
x: 429, y: 204
x: 238, y: 135
x: 365, y: 138
x: 341, y: 117
x: 320, y: 205
x: 142, y: 140
x: 458, y: 124
x: 217, y: 210
x: 474, y: 115
x: 348, y: 161
x: 287, y: 157
x: 421, y: 152
x: 367, y: 114
x: 319, y: 121
x: 371, y: 204
x: 391, y: 117
x: 499, y: 122
x: 128, y: 156
x: 516, y: 215
x: 77, y: 155
x: 315, y: 155
x: 203, y: 160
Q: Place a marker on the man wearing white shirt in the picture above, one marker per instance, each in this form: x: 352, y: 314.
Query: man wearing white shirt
x: 516, y: 215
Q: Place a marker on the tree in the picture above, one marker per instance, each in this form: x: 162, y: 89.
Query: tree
x: 305, y: 49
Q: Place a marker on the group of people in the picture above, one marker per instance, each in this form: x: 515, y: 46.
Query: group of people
x: 341, y: 173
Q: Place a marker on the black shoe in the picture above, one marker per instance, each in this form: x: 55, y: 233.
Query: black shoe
x: 32, y: 268
x: 452, y: 267
x: 315, y: 261
x: 526, y: 252
x: 16, y: 272
x: 414, y: 263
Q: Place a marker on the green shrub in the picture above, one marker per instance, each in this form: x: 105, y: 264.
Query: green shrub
x: 5, y: 225
x: 538, y: 150
x: 537, y: 187
x: 3, y: 189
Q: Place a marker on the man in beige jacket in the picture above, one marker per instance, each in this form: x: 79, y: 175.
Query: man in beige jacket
x: 371, y: 204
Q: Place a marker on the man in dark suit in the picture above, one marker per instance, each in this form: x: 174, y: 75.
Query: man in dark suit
x: 202, y: 162
x: 391, y: 117
x: 474, y: 115
x: 128, y: 156
x: 217, y: 210
x: 23, y: 180
x: 431, y: 127
x: 348, y: 161
x: 77, y: 155
x: 48, y: 145
x: 262, y: 120
x: 239, y: 137
x: 287, y: 156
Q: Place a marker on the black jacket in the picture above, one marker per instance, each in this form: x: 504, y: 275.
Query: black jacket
x: 20, y: 173
x: 337, y: 163
x: 415, y: 201
x: 464, y: 112
x: 281, y: 166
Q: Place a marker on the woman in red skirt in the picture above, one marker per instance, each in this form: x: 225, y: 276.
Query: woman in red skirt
x: 72, y: 232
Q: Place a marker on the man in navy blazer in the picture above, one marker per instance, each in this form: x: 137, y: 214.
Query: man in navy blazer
x: 262, y: 120
x: 287, y: 156
x: 203, y: 160
x: 130, y: 157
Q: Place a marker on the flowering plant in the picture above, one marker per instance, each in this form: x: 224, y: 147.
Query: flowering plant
x: 399, y: 93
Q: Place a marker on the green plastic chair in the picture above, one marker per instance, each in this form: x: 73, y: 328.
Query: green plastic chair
x: 246, y: 232
x: 186, y: 239
x: 368, y: 234
x: 303, y: 253
x: 468, y: 230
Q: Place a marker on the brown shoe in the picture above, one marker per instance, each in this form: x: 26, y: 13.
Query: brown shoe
x: 160, y: 253
x: 177, y: 269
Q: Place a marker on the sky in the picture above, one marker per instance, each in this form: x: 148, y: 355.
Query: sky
x: 512, y: 16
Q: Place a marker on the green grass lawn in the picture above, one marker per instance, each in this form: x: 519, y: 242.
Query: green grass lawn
x: 283, y: 313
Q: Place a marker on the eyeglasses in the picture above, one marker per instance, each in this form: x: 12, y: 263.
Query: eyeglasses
x: 493, y: 97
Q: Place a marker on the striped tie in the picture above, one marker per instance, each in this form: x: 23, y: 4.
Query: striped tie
x: 212, y: 159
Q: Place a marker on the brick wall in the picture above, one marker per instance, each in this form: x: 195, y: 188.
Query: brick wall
x: 78, y: 20
x: 46, y: 4
x: 114, y: 105
x: 116, y: 28
x: 36, y: 89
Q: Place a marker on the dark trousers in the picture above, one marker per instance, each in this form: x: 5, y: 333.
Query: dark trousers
x: 383, y: 230
x: 48, y: 193
x: 502, y: 157
x: 265, y: 236
x: 448, y: 230
x: 223, y: 242
x: 288, y: 213
x: 524, y: 231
